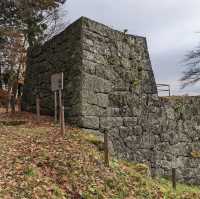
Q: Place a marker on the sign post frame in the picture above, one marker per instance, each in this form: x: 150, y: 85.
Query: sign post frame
x: 57, y: 86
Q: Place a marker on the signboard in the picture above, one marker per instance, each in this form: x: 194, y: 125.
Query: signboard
x: 57, y: 82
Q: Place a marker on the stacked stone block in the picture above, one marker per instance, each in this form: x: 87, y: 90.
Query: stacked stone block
x: 109, y: 85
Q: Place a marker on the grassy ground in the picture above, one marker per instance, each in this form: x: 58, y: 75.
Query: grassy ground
x: 35, y: 162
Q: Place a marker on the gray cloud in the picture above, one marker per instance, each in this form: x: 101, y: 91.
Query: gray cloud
x: 169, y: 26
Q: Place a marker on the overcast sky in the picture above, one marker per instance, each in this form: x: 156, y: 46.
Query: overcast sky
x: 170, y: 26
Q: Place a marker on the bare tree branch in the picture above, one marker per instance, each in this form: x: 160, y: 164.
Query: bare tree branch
x: 192, y: 74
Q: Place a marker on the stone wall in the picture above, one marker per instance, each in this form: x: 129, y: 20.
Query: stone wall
x: 114, y: 65
x: 61, y: 54
x: 109, y: 85
x: 179, y: 138
x: 97, y: 62
x: 161, y: 132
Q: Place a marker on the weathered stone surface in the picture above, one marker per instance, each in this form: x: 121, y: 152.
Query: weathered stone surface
x: 130, y: 121
x: 102, y: 100
x: 90, y: 122
x: 110, y: 122
x: 61, y: 54
x: 92, y: 110
x: 109, y: 85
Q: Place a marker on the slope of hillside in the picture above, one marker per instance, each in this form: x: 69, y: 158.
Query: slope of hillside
x: 35, y: 162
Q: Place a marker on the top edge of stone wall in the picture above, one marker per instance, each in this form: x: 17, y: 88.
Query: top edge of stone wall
x: 177, y: 98
x: 37, y: 49
x: 103, y: 26
x: 82, y: 21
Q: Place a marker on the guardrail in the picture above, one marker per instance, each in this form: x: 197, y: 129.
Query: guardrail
x: 164, y: 88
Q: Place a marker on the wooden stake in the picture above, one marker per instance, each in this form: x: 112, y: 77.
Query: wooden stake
x: 60, y: 107
x: 20, y: 104
x: 63, y: 121
x: 8, y: 105
x: 62, y: 114
x: 174, y: 178
x: 38, y: 108
x: 106, y: 150
x: 55, y: 107
x: 12, y: 103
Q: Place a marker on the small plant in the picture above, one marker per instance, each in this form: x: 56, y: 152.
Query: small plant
x: 110, y: 183
x: 57, y: 192
x: 93, y: 192
x: 195, y: 154
x: 178, y: 108
x: 30, y: 172
x: 136, y: 83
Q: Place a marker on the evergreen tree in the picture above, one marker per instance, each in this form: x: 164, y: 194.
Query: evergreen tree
x: 30, y: 17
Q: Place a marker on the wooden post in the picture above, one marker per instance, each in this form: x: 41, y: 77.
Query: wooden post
x: 174, y: 171
x: 174, y: 178
x: 8, y: 104
x: 63, y: 121
x: 38, y: 108
x: 12, y: 103
x: 61, y: 113
x: 57, y: 85
x: 60, y: 106
x: 55, y: 107
x: 106, y: 150
x: 19, y: 104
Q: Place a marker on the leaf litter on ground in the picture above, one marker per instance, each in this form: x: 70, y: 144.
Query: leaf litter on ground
x: 36, y: 162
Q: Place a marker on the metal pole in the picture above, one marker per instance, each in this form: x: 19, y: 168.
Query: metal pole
x: 169, y: 91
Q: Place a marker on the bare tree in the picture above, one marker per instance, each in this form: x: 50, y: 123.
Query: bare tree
x: 192, y: 74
